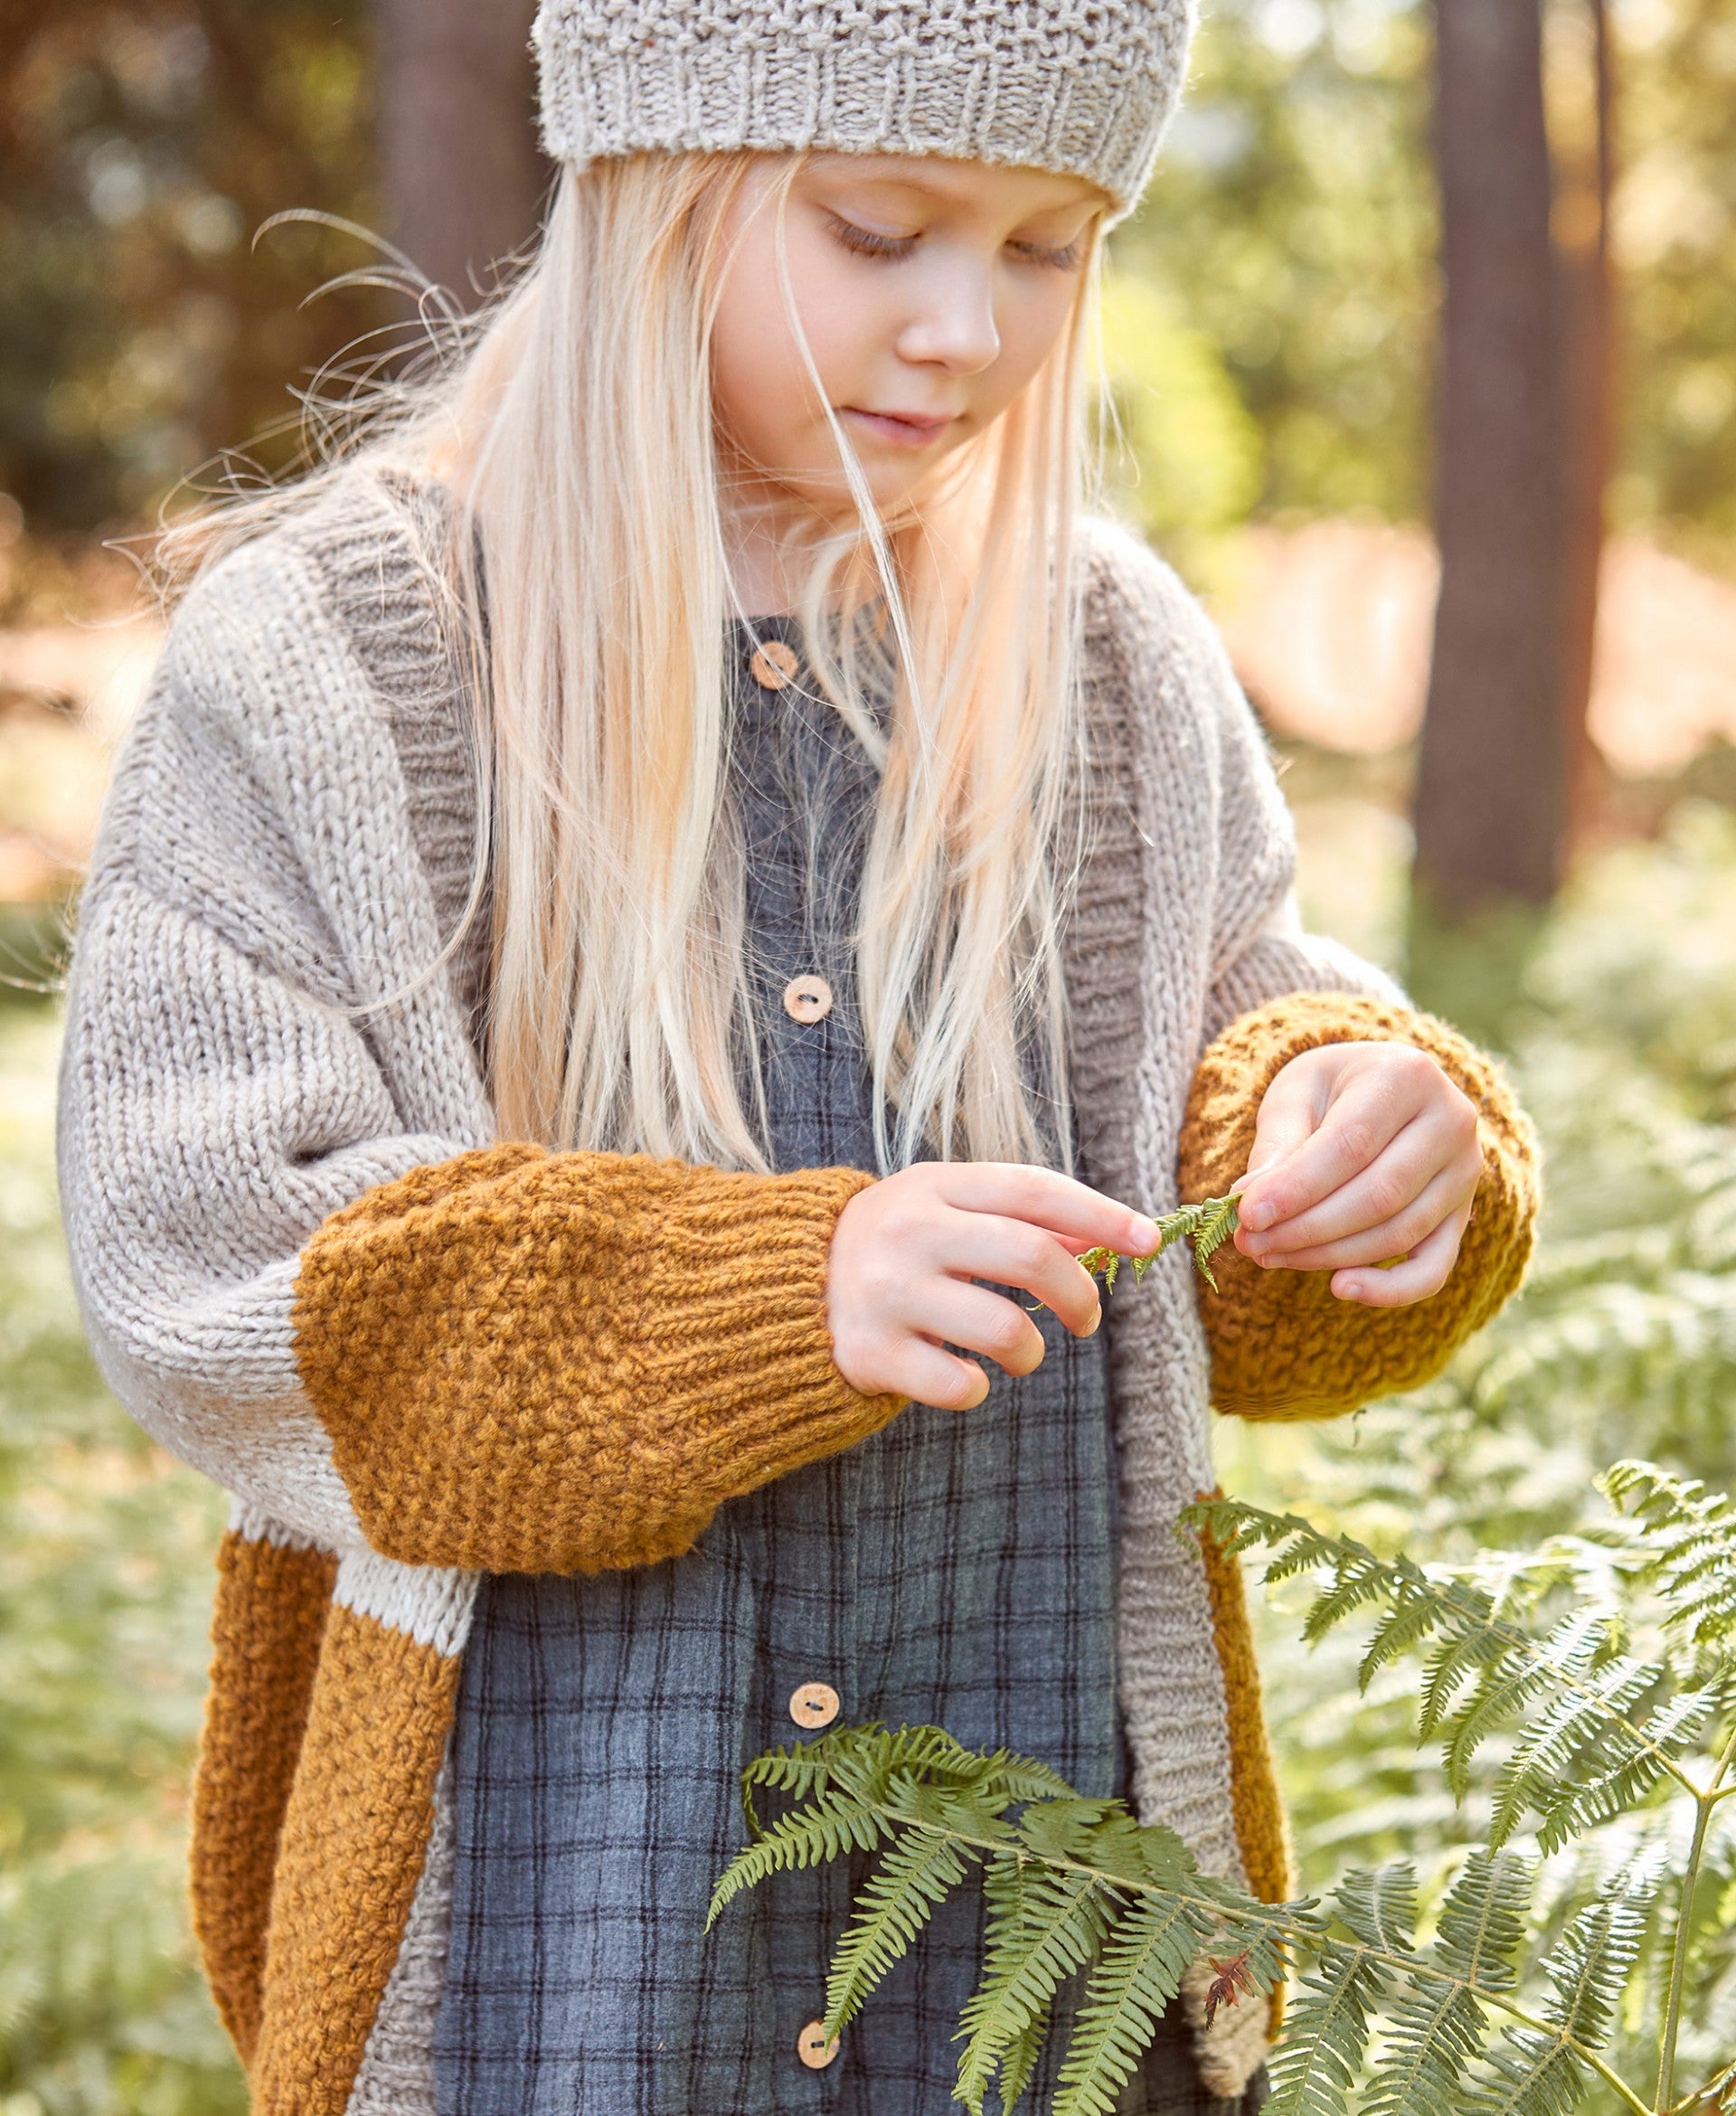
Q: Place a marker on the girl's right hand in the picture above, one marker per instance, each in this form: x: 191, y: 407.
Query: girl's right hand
x: 905, y: 1250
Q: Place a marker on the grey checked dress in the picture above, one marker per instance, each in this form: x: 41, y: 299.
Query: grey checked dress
x: 954, y: 1569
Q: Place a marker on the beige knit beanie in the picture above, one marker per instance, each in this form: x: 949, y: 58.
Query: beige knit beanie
x: 1083, y: 87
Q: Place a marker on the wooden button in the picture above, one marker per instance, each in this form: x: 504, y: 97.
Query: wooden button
x: 773, y: 664
x: 814, y: 1704
x: 812, y: 2047
x: 807, y: 999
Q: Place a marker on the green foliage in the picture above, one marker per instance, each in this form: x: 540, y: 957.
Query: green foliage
x: 1182, y: 456
x: 105, y: 1590
x: 1072, y: 1886
x: 140, y: 149
x: 1205, y: 1227
x: 1589, y: 1684
x: 1618, y: 1021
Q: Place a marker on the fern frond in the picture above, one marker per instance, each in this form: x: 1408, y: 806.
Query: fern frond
x: 1138, y: 1972
x: 1327, y: 2038
x: 1575, y: 1697
x: 1061, y: 1919
x: 1690, y: 1542
x: 1205, y: 1227
x: 1482, y: 1919
x: 1581, y: 1725
x: 1436, y: 2024
x: 911, y: 1882
x: 1014, y: 2047
x: 812, y: 1835
x: 1540, y: 2070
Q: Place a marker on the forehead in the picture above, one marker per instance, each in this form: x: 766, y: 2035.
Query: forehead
x: 937, y: 180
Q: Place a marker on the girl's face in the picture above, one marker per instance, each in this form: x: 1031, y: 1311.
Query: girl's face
x: 929, y: 292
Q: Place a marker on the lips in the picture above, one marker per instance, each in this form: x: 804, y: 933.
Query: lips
x: 909, y: 429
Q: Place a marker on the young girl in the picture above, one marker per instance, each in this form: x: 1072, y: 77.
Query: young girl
x: 650, y: 916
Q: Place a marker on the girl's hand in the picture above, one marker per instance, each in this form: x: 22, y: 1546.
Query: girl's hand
x: 1362, y: 1153
x: 905, y: 1250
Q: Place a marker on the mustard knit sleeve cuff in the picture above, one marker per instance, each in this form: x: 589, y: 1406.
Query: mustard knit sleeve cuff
x: 534, y: 1361
x: 1281, y: 1346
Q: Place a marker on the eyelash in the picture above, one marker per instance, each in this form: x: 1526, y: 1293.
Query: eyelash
x: 865, y: 242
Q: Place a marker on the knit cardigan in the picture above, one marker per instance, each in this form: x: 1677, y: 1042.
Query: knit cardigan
x: 415, y: 1353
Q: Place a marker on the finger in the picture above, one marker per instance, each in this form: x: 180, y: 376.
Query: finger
x: 976, y: 1321
x: 1073, y: 1212
x: 1430, y: 1149
x: 1288, y: 1115
x: 1013, y: 1253
x: 928, y: 1374
x: 1401, y: 1235
x: 1424, y: 1271
x: 1356, y: 1128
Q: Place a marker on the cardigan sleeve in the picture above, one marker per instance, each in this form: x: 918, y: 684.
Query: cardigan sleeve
x: 1281, y: 1346
x: 304, y: 1264
x: 534, y: 1361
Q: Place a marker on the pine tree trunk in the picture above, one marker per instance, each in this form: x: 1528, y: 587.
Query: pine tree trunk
x: 1491, y: 804
x: 459, y: 165
x: 1585, y: 245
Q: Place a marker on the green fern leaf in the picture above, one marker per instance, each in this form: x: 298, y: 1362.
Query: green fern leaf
x: 1206, y: 1226
x: 1540, y: 2071
x: 813, y: 1836
x: 1315, y: 2068
x: 912, y: 1880
x: 1435, y: 2025
x: 1062, y: 1919
x: 1138, y: 1972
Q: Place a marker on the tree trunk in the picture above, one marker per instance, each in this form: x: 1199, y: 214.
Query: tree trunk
x: 1491, y: 804
x: 460, y: 163
x: 1583, y: 233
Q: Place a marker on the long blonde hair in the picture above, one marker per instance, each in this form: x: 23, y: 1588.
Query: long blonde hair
x: 576, y: 437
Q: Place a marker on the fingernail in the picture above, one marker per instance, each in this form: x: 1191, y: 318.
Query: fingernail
x: 1143, y: 1234
x: 1352, y: 1291
x: 1091, y: 1326
x: 1256, y: 1217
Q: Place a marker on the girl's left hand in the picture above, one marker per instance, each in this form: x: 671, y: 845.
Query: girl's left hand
x: 1362, y: 1153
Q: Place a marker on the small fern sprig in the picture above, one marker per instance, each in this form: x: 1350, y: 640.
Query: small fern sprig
x: 1205, y: 1227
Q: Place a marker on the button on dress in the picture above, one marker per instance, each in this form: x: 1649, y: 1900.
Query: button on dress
x: 956, y: 1569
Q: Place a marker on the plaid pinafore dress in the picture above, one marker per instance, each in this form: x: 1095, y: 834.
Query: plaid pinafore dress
x: 958, y: 1569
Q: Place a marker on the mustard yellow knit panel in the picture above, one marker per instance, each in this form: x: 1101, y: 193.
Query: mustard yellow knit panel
x: 266, y: 1626
x: 534, y: 1362
x: 354, y: 1837
x: 1281, y: 1346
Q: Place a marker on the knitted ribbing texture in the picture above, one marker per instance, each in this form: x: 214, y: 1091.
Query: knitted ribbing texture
x: 620, y: 1345
x: 1283, y: 1346
x: 1083, y: 87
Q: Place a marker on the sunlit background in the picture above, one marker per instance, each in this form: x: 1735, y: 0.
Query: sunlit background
x: 1273, y: 348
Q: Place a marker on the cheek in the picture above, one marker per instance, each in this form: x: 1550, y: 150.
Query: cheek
x: 1029, y: 323
x: 760, y: 386
x: 757, y: 388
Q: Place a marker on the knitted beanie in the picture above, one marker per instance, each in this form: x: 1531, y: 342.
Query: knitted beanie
x: 1082, y: 86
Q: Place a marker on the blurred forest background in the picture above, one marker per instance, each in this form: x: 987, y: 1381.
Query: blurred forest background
x: 1422, y: 366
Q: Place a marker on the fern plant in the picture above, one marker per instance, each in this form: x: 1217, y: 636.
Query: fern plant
x: 1591, y: 1682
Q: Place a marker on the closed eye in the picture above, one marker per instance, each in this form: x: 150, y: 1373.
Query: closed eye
x: 868, y: 242
x: 1067, y: 259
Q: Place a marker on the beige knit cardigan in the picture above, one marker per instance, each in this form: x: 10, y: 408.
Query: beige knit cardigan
x: 308, y: 1266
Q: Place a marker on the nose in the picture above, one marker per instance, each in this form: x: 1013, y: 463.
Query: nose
x: 954, y: 327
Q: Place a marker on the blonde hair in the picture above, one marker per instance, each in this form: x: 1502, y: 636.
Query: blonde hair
x: 576, y: 436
